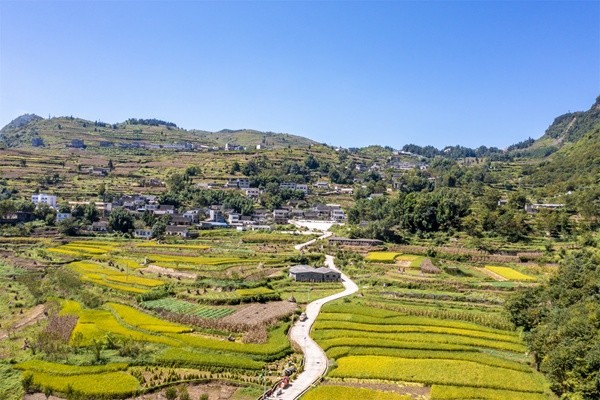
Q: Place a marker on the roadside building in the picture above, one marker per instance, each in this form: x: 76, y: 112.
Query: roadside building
x: 306, y: 273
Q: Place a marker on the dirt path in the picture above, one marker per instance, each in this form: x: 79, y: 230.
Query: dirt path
x: 29, y: 318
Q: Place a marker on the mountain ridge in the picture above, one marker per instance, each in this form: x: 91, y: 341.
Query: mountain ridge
x: 30, y: 128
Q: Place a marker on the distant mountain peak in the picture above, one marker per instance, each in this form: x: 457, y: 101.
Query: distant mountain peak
x: 596, y: 105
x: 21, y: 120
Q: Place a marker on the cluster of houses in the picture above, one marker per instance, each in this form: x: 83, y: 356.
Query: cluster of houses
x: 185, y: 223
x: 243, y: 184
x: 177, y: 146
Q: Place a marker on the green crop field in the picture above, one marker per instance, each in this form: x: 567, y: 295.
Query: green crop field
x: 184, y: 307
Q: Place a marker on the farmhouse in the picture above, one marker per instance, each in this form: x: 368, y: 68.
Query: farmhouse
x: 143, y: 233
x: 306, y: 273
x: 99, y: 226
x: 182, y: 231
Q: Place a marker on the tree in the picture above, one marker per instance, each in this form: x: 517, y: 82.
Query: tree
x: 176, y: 182
x: 90, y: 213
x: 311, y: 162
x: 111, y: 166
x: 102, y: 190
x: 45, y: 213
x: 121, y: 220
x: 513, y: 226
x: 235, y: 167
x: 193, y: 170
x: 159, y: 229
x: 251, y: 168
x: 69, y: 226
x: 97, y: 347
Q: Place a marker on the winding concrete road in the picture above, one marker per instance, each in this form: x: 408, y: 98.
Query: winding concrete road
x: 315, y: 360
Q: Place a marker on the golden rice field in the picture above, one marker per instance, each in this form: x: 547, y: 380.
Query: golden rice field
x: 460, y: 359
x: 113, y: 278
x: 345, y: 392
x: 441, y: 392
x: 382, y: 256
x: 64, y: 369
x: 109, y: 379
x: 144, y: 321
x: 154, y: 245
x: 436, y: 371
x: 509, y: 273
x: 127, y: 322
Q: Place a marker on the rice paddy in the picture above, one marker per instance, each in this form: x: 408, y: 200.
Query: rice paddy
x: 509, y: 273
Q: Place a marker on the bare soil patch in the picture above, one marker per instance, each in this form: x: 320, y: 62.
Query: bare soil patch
x: 29, y: 318
x: 155, y: 269
x: 403, y: 263
x: 261, y: 314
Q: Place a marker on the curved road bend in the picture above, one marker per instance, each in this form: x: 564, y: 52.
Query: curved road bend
x: 315, y: 360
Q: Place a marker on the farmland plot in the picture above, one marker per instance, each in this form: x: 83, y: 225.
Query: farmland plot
x: 381, y: 345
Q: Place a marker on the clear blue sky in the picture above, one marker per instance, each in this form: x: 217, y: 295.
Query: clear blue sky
x: 344, y: 73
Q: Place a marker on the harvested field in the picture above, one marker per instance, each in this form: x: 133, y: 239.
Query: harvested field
x: 155, y: 269
x: 29, y: 318
x: 259, y: 314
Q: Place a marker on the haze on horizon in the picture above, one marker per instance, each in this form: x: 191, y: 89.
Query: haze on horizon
x: 349, y: 74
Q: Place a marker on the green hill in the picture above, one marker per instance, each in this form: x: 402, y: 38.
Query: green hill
x: 576, y: 160
x: 252, y: 138
x: 29, y: 129
x: 566, y: 129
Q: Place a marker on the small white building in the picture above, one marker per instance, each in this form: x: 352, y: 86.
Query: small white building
x: 62, y: 216
x: 44, y: 199
x: 143, y: 233
x: 302, y: 187
x: 233, y: 219
x: 252, y: 192
x: 338, y: 214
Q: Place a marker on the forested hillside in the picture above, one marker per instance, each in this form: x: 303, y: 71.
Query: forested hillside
x: 561, y: 320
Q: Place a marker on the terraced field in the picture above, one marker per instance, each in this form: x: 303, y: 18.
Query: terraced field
x: 184, y: 307
x: 456, y: 359
x: 110, y: 277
